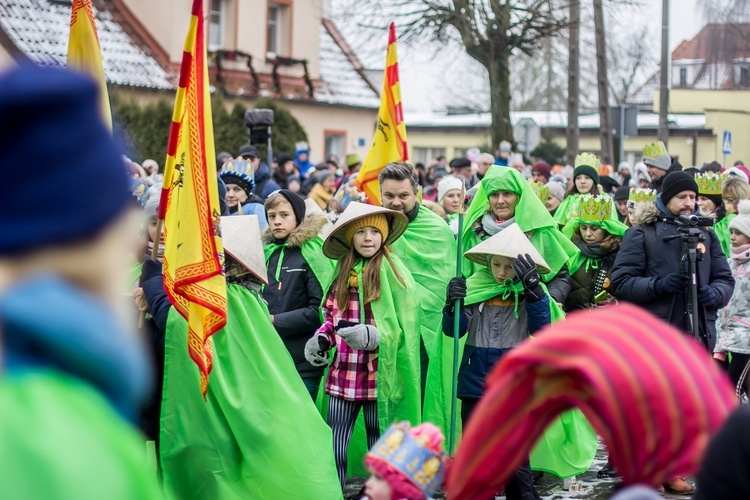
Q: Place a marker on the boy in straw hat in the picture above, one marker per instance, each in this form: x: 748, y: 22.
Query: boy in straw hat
x: 371, y: 316
x: 72, y: 374
x: 504, y: 303
x: 242, y: 440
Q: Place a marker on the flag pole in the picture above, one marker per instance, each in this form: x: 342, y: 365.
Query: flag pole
x: 456, y: 321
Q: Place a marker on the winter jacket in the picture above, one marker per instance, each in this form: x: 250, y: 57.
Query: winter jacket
x: 587, y: 283
x: 733, y: 322
x: 320, y: 196
x: 264, y: 184
x: 638, y: 267
x: 493, y: 330
x: 295, y: 305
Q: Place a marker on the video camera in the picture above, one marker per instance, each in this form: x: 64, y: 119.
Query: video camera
x: 259, y: 123
x: 692, y: 220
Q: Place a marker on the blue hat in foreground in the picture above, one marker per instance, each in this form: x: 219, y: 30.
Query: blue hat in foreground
x: 50, y: 120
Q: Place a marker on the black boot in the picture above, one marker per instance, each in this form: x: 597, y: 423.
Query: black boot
x: 607, y: 471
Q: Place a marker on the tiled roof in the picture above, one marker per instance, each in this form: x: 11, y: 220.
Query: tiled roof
x: 40, y: 30
x: 718, y: 42
x: 343, y: 78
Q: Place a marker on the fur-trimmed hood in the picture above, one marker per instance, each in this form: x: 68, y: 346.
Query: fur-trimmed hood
x: 308, y: 229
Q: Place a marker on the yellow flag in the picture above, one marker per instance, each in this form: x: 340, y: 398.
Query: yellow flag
x: 84, y: 52
x: 389, y: 141
x: 193, y: 253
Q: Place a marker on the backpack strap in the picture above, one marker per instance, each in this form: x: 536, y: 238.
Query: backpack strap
x: 649, y: 236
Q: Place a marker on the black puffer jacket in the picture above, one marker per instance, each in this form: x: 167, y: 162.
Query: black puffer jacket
x: 637, y: 268
x: 583, y: 290
x: 295, y: 305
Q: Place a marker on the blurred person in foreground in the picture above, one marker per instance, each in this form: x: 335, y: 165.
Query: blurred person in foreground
x: 73, y: 375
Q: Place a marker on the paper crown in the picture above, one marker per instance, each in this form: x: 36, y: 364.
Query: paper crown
x: 641, y: 195
x: 541, y: 190
x: 655, y: 149
x: 412, y: 458
x: 594, y: 208
x: 588, y: 159
x: 710, y: 183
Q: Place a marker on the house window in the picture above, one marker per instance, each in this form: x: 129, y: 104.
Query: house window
x: 274, y: 29
x: 683, y: 77
x: 335, y: 143
x: 427, y: 155
x: 216, y: 25
x: 278, y: 32
x: 745, y: 77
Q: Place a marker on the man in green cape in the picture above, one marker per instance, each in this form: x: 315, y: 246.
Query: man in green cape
x: 428, y: 250
x: 505, y: 197
x: 257, y: 434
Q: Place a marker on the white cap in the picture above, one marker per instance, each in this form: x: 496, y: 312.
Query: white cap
x: 448, y: 183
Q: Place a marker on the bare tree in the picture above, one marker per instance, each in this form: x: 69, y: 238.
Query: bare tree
x: 572, y: 131
x: 627, y: 62
x: 605, y: 116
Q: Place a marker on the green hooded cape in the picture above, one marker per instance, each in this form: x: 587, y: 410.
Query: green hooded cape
x: 568, y: 446
x: 258, y: 433
x: 721, y: 229
x: 568, y: 209
x: 49, y: 451
x: 531, y: 215
x: 612, y: 226
x: 428, y: 250
x: 397, y: 317
x: 312, y: 251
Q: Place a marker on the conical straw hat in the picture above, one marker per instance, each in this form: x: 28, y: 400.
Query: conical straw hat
x: 335, y: 246
x: 509, y: 242
x: 241, y: 237
x: 313, y: 208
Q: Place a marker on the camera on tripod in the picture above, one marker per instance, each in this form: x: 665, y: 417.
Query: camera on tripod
x: 692, y: 220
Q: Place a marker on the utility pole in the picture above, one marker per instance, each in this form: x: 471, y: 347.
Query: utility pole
x: 572, y: 132
x: 664, y: 75
x: 605, y: 114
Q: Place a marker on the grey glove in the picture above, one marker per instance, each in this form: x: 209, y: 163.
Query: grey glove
x: 316, y: 350
x: 361, y: 337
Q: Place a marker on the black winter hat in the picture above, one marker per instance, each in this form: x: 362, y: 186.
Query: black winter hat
x: 586, y: 170
x: 284, y: 159
x: 622, y: 193
x: 675, y: 183
x: 296, y: 201
x: 248, y: 150
x: 460, y: 163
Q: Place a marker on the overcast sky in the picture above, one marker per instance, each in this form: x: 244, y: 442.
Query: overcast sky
x: 421, y: 74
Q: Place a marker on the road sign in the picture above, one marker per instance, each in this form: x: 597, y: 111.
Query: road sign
x: 727, y: 143
x: 527, y: 134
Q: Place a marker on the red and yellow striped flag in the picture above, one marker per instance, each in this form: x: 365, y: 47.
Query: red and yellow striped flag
x: 389, y: 141
x: 84, y: 52
x: 193, y: 254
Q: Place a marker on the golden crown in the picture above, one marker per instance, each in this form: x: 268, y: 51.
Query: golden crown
x: 710, y: 183
x: 640, y: 195
x: 589, y: 159
x: 655, y: 149
x: 541, y: 190
x: 594, y: 208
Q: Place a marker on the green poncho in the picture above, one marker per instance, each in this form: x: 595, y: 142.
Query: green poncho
x: 397, y: 317
x: 59, y: 438
x: 258, y: 433
x: 611, y: 226
x: 568, y: 445
x: 428, y: 250
x: 530, y: 214
x: 721, y: 229
x: 312, y: 251
x: 568, y: 209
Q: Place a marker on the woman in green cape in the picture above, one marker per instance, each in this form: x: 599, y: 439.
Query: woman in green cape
x: 505, y: 197
x: 585, y: 181
x: 371, y: 318
x: 598, y: 237
x: 257, y: 433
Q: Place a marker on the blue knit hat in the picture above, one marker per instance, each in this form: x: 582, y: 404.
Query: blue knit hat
x: 50, y: 118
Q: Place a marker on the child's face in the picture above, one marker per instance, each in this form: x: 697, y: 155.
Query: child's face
x: 738, y: 238
x: 377, y: 488
x: 282, y: 220
x: 502, y: 268
x: 584, y: 183
x: 367, y: 241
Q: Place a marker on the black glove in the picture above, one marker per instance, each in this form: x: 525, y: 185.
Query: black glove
x: 150, y: 269
x: 456, y: 290
x: 671, y: 283
x: 708, y: 298
x: 525, y: 269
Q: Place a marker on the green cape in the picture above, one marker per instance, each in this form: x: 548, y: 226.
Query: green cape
x: 397, y: 317
x: 258, y: 433
x: 568, y: 209
x: 530, y: 215
x: 312, y: 251
x: 428, y: 250
x: 59, y: 438
x: 612, y: 226
x: 721, y: 229
x: 568, y: 445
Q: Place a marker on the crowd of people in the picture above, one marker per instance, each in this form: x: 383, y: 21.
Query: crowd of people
x: 337, y: 358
